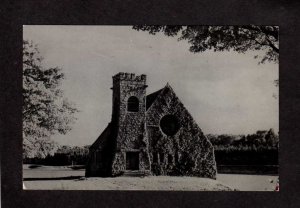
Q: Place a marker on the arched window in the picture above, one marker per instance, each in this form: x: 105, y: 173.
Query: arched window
x: 133, y: 104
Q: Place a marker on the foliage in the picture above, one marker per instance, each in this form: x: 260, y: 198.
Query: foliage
x: 259, y: 141
x: 63, y: 155
x: 45, y: 109
x: 221, y: 38
x: 73, y: 150
x: 260, y: 148
x: 39, y: 147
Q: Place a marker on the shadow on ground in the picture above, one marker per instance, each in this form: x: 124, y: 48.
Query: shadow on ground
x: 53, y: 179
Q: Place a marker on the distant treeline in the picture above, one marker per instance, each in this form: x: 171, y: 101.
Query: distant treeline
x: 253, y: 153
x: 261, y: 140
x: 233, y: 152
x: 65, y: 155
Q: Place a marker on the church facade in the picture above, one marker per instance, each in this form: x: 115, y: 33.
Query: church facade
x: 149, y: 135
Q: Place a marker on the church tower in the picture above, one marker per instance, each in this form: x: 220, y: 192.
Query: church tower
x: 128, y: 118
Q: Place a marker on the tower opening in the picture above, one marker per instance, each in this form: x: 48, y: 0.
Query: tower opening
x: 133, y: 104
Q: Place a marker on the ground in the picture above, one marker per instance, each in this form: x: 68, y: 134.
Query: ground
x: 49, y: 177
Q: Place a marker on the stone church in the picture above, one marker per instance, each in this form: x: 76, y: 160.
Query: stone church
x: 149, y: 135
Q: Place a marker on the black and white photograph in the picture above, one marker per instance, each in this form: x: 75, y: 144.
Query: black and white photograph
x: 151, y: 107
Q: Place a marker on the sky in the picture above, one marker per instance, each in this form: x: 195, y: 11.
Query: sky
x: 225, y: 92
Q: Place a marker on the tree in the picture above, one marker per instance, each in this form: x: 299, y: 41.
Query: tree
x: 272, y: 139
x: 45, y: 109
x: 39, y: 147
x: 221, y: 38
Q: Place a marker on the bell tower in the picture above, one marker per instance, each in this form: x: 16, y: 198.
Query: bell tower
x: 129, y: 117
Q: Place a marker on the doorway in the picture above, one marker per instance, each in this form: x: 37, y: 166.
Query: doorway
x: 132, y: 160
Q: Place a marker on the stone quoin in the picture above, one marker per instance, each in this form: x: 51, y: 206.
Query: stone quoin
x: 149, y: 135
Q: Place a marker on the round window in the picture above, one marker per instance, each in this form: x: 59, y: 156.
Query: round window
x: 169, y: 125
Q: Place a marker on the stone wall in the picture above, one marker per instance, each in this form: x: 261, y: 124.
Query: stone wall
x: 188, y: 152
x: 101, y: 153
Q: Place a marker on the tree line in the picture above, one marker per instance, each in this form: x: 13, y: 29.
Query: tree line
x: 260, y: 141
x: 63, y: 155
x: 253, y: 153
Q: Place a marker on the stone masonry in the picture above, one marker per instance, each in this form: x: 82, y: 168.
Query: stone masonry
x: 152, y: 134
